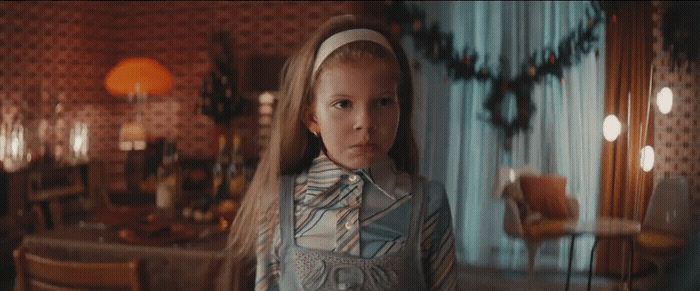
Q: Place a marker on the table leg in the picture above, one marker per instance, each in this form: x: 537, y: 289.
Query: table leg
x: 571, y: 257
x: 631, y: 242
x: 590, y: 264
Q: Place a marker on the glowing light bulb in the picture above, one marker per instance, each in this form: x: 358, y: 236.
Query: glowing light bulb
x: 611, y: 128
x: 267, y: 98
x: 646, y: 158
x: 664, y: 100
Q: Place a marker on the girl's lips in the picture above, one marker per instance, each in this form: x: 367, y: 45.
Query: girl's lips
x: 365, y: 147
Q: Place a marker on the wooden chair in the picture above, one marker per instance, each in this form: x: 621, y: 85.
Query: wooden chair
x: 53, y: 194
x: 39, y: 273
x: 667, y: 223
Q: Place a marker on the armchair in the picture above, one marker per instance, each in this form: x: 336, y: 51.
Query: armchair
x: 523, y: 221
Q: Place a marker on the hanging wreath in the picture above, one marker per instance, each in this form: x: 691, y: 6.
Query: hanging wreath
x: 524, y: 107
x: 437, y: 46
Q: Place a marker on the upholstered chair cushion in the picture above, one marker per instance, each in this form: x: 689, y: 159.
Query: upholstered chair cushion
x: 546, y: 194
x: 659, y: 242
x: 545, y: 229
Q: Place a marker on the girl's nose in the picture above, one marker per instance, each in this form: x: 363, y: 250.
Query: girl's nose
x: 365, y: 120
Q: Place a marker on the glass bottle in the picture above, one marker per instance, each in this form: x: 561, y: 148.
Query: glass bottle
x: 166, y: 193
x: 219, y: 181
x: 235, y: 174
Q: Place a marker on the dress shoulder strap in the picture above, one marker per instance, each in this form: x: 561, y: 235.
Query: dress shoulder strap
x: 287, y: 208
x: 420, y: 190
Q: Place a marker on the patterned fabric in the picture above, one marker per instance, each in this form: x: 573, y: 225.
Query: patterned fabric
x: 362, y: 213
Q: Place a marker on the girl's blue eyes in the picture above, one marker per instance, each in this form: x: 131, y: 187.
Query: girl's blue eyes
x: 342, y: 104
x: 383, y: 102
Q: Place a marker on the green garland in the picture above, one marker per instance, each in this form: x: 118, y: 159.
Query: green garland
x: 438, y: 47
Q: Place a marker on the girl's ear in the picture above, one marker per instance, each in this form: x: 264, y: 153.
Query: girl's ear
x: 311, y: 121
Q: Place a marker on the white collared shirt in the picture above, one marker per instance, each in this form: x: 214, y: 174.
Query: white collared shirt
x: 332, y: 204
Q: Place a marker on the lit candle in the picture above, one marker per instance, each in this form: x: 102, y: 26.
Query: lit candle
x: 3, y: 140
x: 85, y: 140
x: 14, y: 147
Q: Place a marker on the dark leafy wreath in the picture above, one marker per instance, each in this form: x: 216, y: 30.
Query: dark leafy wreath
x: 524, y: 107
x: 437, y: 46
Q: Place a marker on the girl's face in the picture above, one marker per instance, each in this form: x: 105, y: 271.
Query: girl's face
x: 355, y: 111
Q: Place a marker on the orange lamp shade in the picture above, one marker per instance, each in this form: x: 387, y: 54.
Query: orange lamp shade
x: 146, y: 74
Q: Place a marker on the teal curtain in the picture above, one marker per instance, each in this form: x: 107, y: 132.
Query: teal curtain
x: 461, y: 149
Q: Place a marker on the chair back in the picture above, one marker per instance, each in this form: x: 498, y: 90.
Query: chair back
x: 512, y: 224
x: 39, y: 273
x: 52, y: 186
x: 669, y: 207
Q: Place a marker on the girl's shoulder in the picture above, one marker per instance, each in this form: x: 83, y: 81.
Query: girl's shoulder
x: 434, y: 191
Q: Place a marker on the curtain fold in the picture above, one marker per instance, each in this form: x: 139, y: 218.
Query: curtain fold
x: 461, y: 149
x: 625, y: 188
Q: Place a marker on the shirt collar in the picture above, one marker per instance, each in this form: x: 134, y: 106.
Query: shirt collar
x: 324, y: 174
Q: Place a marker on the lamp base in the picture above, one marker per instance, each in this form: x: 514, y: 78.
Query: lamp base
x: 134, y: 171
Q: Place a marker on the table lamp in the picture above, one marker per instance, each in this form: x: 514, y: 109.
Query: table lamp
x: 132, y: 137
x: 136, y: 78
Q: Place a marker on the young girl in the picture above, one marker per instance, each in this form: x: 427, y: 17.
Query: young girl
x: 335, y: 203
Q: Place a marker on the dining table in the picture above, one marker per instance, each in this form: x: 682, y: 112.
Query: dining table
x: 175, y: 254
x: 603, y: 228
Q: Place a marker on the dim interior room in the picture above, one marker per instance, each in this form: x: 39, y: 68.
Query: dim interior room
x: 566, y: 135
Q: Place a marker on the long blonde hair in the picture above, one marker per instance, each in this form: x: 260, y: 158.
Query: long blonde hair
x: 293, y: 147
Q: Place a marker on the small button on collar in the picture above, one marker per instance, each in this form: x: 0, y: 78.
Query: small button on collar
x: 349, y: 225
x: 353, y: 178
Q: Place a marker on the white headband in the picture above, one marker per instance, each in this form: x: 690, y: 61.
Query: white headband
x: 344, y: 37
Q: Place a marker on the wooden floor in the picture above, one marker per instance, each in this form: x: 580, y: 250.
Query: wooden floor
x: 473, y: 278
